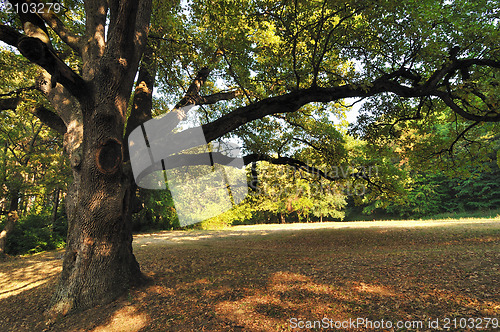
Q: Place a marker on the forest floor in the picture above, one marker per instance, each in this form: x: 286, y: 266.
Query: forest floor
x: 429, y: 275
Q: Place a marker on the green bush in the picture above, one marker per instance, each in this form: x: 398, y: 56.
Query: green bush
x: 35, y: 233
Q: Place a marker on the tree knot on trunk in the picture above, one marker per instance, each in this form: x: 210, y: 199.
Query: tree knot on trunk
x: 109, y: 156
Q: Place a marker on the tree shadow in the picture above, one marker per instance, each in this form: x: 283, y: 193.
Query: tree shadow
x: 261, y: 283
x: 26, y: 288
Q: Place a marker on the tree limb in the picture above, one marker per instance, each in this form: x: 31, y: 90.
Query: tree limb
x: 192, y: 94
x: 36, y: 47
x: 39, y: 53
x: 142, y: 102
x: 95, y: 40
x: 488, y: 117
x: 51, y: 119
x: 9, y: 35
x: 60, y: 29
x: 127, y: 35
x: 216, y: 97
x: 298, y: 164
x: 9, y: 103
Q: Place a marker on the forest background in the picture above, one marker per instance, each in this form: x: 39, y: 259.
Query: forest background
x: 383, y: 166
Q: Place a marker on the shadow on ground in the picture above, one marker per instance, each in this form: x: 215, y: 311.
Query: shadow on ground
x: 274, y: 281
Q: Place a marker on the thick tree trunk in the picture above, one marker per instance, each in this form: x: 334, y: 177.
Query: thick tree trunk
x: 98, y: 265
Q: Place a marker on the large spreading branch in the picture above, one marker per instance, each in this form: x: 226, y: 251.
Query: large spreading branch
x: 294, y: 100
x: 38, y: 50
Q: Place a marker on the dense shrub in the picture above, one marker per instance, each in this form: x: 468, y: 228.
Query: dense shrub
x: 35, y: 233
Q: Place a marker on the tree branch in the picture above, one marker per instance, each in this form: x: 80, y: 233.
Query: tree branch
x: 60, y: 29
x: 36, y: 47
x: 298, y: 164
x: 127, y: 35
x: 51, y: 119
x: 9, y: 35
x: 488, y: 117
x: 192, y: 94
x: 216, y: 97
x: 94, y: 41
x: 9, y: 103
x: 39, y: 53
x: 142, y: 102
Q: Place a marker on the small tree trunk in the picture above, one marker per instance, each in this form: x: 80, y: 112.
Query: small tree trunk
x: 56, y: 205
x: 12, y: 218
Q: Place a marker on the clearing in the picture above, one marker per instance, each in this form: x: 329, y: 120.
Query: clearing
x: 277, y: 277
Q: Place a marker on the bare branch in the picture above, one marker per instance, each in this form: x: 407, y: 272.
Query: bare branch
x: 216, y: 97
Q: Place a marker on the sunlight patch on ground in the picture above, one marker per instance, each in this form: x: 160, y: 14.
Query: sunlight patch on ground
x: 179, y: 237
x: 287, y: 295
x: 126, y: 319
x: 15, y: 279
x: 375, y: 289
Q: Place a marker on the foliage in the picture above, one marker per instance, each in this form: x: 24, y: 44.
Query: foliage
x: 265, y: 49
x: 32, y: 165
x: 158, y: 212
x: 36, y: 233
x: 431, y: 193
x: 285, y: 195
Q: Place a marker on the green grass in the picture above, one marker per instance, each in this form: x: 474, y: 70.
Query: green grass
x: 486, y: 214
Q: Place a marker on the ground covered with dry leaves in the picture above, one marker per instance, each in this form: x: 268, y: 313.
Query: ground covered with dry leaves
x: 266, y: 278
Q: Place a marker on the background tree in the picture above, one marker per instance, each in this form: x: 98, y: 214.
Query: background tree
x: 254, y: 66
x: 32, y: 170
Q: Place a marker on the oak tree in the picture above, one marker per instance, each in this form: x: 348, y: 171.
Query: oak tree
x: 253, y: 67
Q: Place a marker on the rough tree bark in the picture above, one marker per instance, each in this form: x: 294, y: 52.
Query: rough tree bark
x: 98, y: 264
x: 12, y: 218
